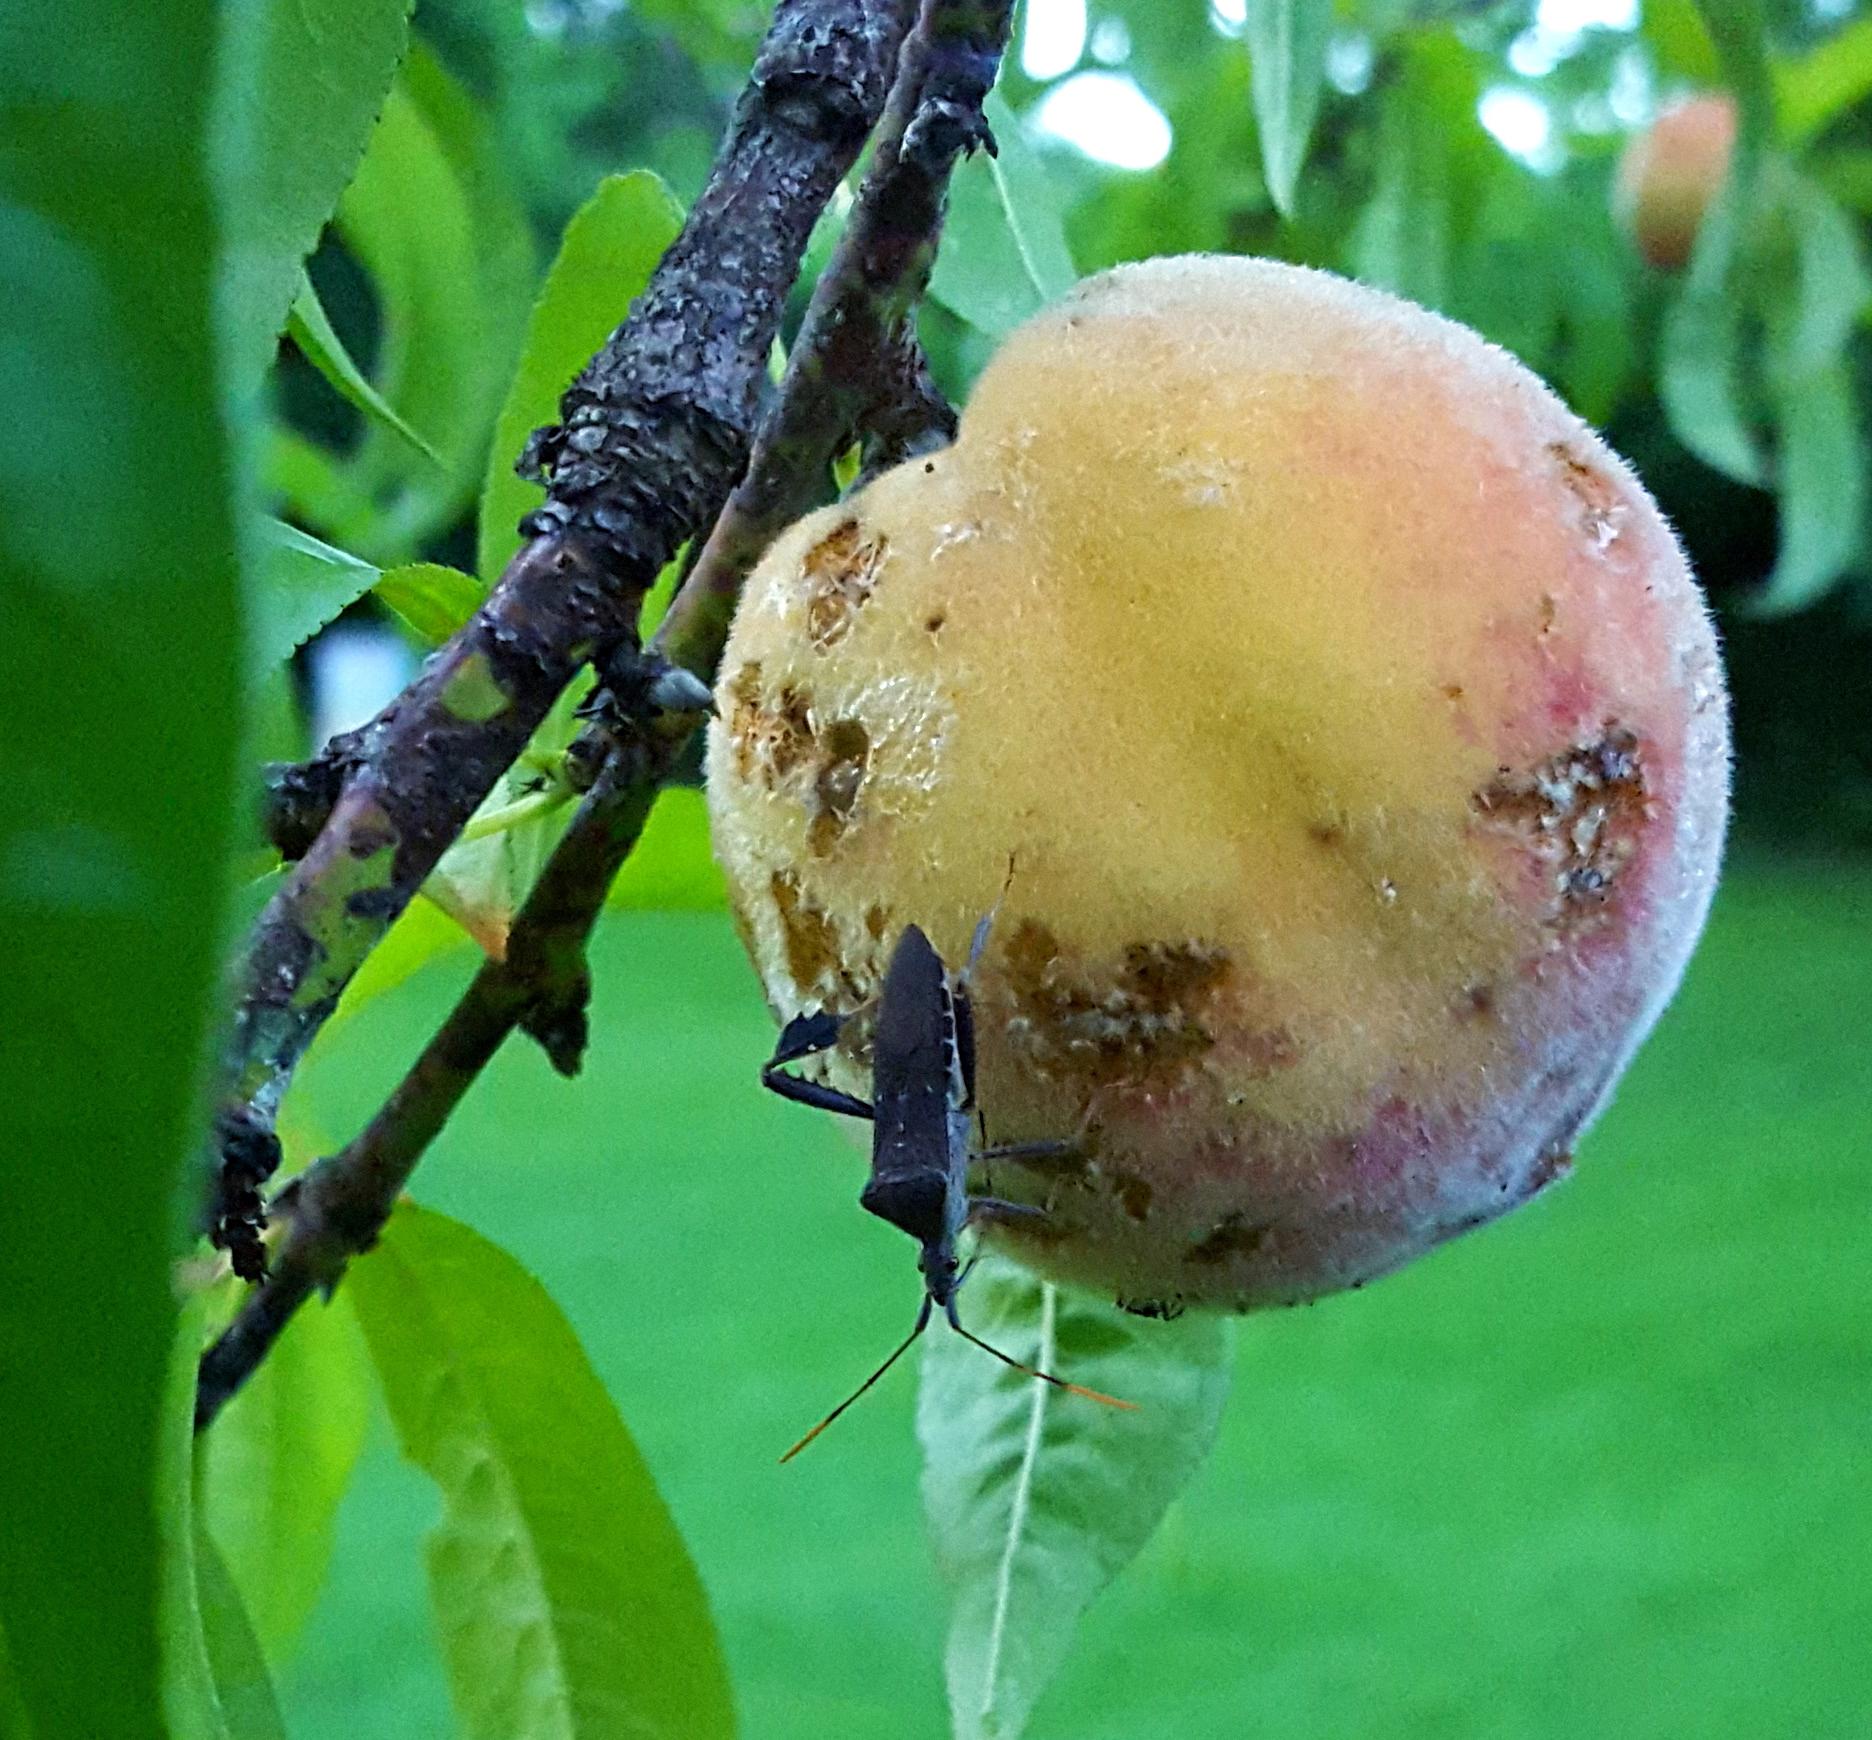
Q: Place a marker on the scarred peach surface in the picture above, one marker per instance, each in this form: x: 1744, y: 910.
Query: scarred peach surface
x: 1353, y: 729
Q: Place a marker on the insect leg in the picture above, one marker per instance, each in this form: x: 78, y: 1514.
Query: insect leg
x: 994, y: 1210
x: 806, y: 1036
x: 812, y: 1093
x: 922, y: 1323
x: 1067, y: 1153
x: 1033, y: 1371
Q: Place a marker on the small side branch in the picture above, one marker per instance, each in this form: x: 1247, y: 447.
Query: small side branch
x: 653, y: 434
x: 847, y: 376
x: 339, y: 1206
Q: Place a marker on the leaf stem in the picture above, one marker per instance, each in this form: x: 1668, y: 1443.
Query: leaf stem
x: 523, y: 809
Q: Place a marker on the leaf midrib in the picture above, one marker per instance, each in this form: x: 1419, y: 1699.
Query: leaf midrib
x: 1018, y: 1508
x: 564, y: 1711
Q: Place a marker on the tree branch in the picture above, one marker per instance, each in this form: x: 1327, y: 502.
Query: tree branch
x: 652, y: 435
x: 854, y: 361
x: 865, y: 369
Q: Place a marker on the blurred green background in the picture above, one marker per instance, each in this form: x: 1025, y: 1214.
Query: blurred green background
x: 1600, y: 1470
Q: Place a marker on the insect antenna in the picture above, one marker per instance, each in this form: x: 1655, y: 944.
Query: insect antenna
x: 1033, y: 1371
x: 903, y: 1347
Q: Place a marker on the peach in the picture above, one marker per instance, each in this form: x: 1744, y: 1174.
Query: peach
x: 1670, y: 173
x: 1330, y: 721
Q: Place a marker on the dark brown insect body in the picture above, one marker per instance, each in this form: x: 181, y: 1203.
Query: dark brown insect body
x: 923, y: 1122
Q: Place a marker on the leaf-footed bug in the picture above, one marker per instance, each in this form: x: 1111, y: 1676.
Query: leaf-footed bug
x: 923, y: 1121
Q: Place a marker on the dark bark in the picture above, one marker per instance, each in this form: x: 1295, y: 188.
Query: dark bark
x: 338, y: 1207
x: 865, y: 372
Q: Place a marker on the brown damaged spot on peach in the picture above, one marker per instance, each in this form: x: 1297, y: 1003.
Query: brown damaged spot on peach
x: 812, y: 946
x: 1326, y: 833
x: 844, y: 752
x: 840, y: 572
x: 1231, y: 1237
x: 1477, y: 1002
x: 1579, y: 812
x: 1602, y: 506
x: 1133, y: 1193
x: 1549, y: 614
x: 937, y: 619
x: 876, y: 921
x: 1549, y: 1169
x: 773, y: 735
x: 1123, y: 1023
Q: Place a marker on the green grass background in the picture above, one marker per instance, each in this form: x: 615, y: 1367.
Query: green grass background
x: 1602, y: 1470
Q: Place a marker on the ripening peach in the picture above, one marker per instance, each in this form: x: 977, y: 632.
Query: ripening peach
x: 1670, y: 173
x: 1331, y: 723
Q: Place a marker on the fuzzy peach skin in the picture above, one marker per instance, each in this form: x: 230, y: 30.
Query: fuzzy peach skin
x: 1330, y: 721
x: 1669, y: 174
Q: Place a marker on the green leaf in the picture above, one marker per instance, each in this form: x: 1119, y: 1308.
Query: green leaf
x: 300, y: 585
x: 435, y: 601
x: 15, y: 1724
x: 305, y: 81
x: 1702, y: 356
x: 1834, y: 288
x: 243, y: 1687
x: 311, y: 483
x: 1596, y: 351
x: 119, y: 721
x: 606, y: 256
x: 1845, y: 172
x: 1832, y: 77
x: 1821, y: 488
x: 1003, y: 255
x: 662, y: 593
x: 673, y: 867
x: 1705, y: 358
x: 1434, y: 167
x: 215, y: 1682
x: 278, y: 1462
x: 190, y: 1700
x: 484, y: 876
x: 1287, y: 45
x: 311, y: 330
x: 1739, y: 31
x: 432, y: 217
x: 567, y: 1605
x: 1680, y: 40
x: 1401, y: 239
x: 1036, y: 1500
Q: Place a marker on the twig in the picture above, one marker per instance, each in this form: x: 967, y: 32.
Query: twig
x: 338, y: 1206
x: 852, y: 362
x: 864, y: 370
x: 653, y: 434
